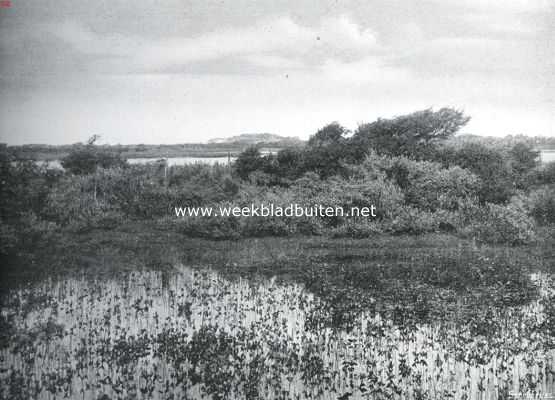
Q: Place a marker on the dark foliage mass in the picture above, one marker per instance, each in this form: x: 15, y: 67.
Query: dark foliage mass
x: 87, y: 159
x: 408, y: 135
x: 419, y: 180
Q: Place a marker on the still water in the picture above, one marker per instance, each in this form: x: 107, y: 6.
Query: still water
x: 546, y: 156
x: 162, y: 335
x: 183, y: 160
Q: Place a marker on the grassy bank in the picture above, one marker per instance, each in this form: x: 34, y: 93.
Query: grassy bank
x: 436, y: 272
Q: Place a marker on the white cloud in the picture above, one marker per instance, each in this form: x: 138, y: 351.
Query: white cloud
x: 367, y: 70
x: 279, y: 39
x: 503, y: 6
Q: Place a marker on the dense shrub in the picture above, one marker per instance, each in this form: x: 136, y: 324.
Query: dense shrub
x: 218, y: 228
x: 539, y: 203
x: 249, y: 161
x: 78, y: 203
x: 523, y: 160
x: 89, y: 158
x: 24, y: 187
x: 498, y: 224
x: 426, y: 185
x: 358, y: 229
x: 546, y: 174
x: 411, y: 220
x: 489, y: 164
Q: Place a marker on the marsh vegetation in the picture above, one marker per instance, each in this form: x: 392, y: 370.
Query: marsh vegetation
x: 447, y: 293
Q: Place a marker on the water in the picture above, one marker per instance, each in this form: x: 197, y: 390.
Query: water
x: 195, y: 334
x: 56, y: 164
x: 547, y: 156
x: 183, y: 160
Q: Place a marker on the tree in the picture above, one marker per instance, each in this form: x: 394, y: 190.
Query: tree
x: 330, y: 135
x: 290, y: 163
x: 87, y: 159
x: 249, y: 161
x: 490, y: 166
x: 327, y: 151
x: 408, y: 134
x: 524, y: 159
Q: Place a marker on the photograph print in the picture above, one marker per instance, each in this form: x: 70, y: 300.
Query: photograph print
x: 277, y: 200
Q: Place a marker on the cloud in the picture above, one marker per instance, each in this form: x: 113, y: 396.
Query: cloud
x: 475, y: 56
x: 366, y: 70
x: 280, y: 40
x: 210, y: 67
x: 512, y: 6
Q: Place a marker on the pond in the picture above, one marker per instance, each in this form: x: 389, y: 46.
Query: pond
x: 56, y: 164
x: 192, y: 333
x: 183, y: 160
x: 547, y: 156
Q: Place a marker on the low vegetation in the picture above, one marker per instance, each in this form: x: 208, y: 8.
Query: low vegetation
x: 446, y: 293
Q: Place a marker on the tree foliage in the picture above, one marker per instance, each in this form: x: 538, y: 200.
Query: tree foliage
x: 408, y: 134
x: 87, y: 159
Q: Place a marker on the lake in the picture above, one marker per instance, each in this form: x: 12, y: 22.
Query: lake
x: 56, y: 164
x: 183, y: 160
x: 545, y: 157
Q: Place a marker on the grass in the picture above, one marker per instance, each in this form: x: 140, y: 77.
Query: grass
x: 437, y: 272
x: 155, y: 312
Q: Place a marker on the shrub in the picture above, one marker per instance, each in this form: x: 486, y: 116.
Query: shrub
x: 29, y: 233
x: 426, y: 185
x: 249, y: 161
x: 358, y: 229
x: 539, y: 203
x: 489, y: 164
x: 499, y: 224
x: 547, y: 173
x: 217, y: 228
x: 411, y: 220
x: 89, y: 158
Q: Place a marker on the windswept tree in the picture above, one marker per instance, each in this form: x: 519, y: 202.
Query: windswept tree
x: 407, y: 135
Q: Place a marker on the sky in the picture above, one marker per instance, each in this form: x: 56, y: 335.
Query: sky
x: 187, y: 71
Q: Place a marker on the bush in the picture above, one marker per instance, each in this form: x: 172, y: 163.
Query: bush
x: 489, y: 164
x: 426, y: 185
x: 30, y: 233
x: 217, y: 228
x: 547, y: 173
x: 540, y: 204
x: 499, y: 224
x: 357, y: 229
x: 89, y: 158
x: 24, y: 187
x: 249, y: 161
x: 414, y: 221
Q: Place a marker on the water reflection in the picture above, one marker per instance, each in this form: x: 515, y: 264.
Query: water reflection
x: 194, y: 334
